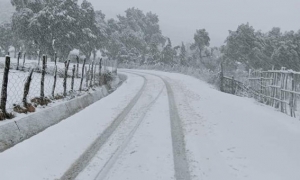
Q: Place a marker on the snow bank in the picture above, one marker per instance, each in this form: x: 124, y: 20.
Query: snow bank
x: 18, y: 130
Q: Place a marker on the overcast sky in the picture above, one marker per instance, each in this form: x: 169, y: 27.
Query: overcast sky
x: 179, y: 19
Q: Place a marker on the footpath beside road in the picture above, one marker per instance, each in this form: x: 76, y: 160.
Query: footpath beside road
x: 162, y: 126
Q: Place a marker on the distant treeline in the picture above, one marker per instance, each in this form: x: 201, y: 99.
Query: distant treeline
x: 45, y: 27
x: 256, y: 49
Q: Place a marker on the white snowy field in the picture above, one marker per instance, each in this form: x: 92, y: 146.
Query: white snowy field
x: 223, y: 137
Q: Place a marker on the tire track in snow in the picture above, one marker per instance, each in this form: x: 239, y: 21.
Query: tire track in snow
x: 90, y: 152
x: 181, y: 166
x: 103, y: 172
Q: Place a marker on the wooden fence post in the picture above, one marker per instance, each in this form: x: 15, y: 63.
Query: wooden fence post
x: 95, y: 70
x: 250, y: 83
x: 19, y: 55
x: 295, y: 89
x: 73, y: 76
x: 27, y: 87
x: 232, y: 85
x: 46, y: 62
x: 221, y: 78
x: 87, y: 76
x: 54, y: 83
x: 39, y: 58
x: 24, y: 60
x: 82, y: 74
x: 292, y: 97
x: 276, y: 103
x: 77, y: 71
x: 281, y: 90
x: 42, y: 94
x: 92, y: 74
x: 55, y: 58
x: 260, y: 86
x: 272, y: 88
x: 65, y: 77
x: 100, y: 66
x: 284, y: 92
x: 4, y: 87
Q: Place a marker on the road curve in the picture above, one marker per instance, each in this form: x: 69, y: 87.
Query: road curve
x: 103, y: 172
x: 128, y: 130
x: 90, y: 152
x: 181, y: 166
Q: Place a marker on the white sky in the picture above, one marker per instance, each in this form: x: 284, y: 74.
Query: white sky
x: 179, y: 19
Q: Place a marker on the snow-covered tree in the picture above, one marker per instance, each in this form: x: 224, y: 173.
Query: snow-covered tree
x: 168, y: 53
x: 137, y: 36
x: 6, y: 37
x: 114, y: 48
x: 183, y: 55
x: 88, y: 36
x: 244, y: 46
x: 201, y: 41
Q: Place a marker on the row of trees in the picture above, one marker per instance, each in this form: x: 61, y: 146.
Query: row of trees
x: 255, y: 49
x: 45, y: 27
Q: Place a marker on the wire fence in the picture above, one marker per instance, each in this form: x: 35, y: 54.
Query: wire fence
x: 38, y: 83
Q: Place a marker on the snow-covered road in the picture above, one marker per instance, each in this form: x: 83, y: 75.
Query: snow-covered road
x: 164, y: 126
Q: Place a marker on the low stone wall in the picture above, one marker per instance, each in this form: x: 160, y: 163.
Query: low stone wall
x: 16, y: 131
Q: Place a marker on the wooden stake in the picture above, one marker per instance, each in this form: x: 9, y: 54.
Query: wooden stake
x: 77, y: 71
x: 27, y: 88
x: 4, y: 87
x: 24, y: 60
x: 65, y: 77
x: 92, y: 74
x: 73, y: 76
x: 100, y: 67
x: 82, y: 74
x: 19, y: 55
x: 42, y: 95
x: 54, y: 83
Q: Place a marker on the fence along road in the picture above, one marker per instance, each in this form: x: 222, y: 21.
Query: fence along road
x: 277, y: 88
x: 58, y: 81
x: 168, y: 131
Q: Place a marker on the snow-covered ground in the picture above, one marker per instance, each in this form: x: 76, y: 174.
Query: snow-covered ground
x: 160, y: 125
